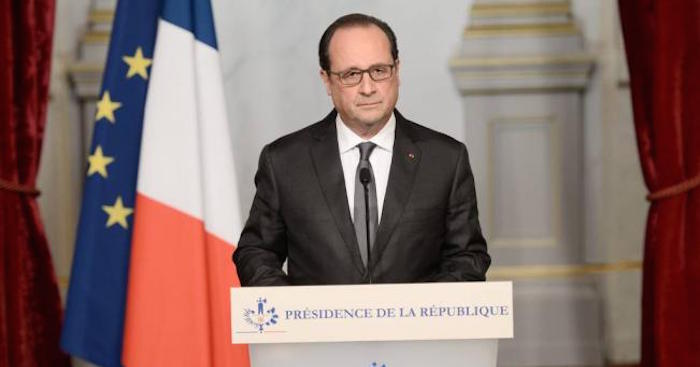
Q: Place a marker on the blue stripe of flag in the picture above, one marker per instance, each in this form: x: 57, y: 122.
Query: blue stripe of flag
x: 194, y: 16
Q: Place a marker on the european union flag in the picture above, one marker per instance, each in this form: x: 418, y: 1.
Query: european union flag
x: 94, y: 316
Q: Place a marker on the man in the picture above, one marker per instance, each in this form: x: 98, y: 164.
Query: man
x: 363, y: 172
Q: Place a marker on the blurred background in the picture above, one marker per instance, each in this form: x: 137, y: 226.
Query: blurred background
x: 537, y: 89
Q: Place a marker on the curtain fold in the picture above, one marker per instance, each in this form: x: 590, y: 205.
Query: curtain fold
x: 30, y: 308
x: 662, y: 40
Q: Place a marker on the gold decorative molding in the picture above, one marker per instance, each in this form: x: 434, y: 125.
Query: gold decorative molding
x: 86, y: 67
x: 559, y: 271
x: 520, y: 74
x: 96, y: 37
x: 538, y: 29
x: 569, y: 59
x: 101, y: 16
x: 528, y: 271
x: 519, y: 89
x: 521, y: 9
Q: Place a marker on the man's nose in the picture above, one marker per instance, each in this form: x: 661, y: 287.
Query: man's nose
x: 367, y: 85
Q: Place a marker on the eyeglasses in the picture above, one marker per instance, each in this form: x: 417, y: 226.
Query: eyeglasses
x: 353, y: 77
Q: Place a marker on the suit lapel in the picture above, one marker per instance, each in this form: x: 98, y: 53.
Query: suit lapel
x: 404, y: 165
x: 329, y: 170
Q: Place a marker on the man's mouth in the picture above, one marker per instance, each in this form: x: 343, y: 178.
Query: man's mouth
x: 368, y: 104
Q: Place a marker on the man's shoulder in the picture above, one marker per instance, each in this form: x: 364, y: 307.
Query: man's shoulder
x: 426, y: 136
x: 302, y: 137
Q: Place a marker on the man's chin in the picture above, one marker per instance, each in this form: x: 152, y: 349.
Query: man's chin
x: 373, y: 119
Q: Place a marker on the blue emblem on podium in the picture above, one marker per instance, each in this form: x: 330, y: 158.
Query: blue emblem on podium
x: 261, y: 317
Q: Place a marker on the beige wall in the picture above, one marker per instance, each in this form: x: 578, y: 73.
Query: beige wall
x: 617, y: 214
x: 60, y: 173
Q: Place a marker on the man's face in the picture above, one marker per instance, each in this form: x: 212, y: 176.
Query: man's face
x: 368, y: 104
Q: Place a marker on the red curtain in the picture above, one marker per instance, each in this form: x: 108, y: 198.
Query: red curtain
x: 662, y: 40
x: 30, y: 307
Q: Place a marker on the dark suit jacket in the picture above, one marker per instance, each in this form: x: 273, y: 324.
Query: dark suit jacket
x: 429, y: 229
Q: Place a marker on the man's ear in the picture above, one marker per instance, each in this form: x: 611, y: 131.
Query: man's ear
x: 326, y: 80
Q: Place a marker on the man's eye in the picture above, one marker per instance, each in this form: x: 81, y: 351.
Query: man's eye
x: 379, y: 71
x: 351, y: 74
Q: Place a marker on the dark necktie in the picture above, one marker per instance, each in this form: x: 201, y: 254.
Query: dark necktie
x: 360, y: 212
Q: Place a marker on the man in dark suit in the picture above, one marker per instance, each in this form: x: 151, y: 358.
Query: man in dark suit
x: 363, y: 195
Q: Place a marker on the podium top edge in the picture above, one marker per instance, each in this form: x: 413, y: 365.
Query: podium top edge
x: 487, y: 284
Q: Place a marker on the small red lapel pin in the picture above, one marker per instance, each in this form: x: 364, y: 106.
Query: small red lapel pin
x: 411, y: 156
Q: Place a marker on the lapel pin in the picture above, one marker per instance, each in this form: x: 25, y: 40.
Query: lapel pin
x: 411, y: 155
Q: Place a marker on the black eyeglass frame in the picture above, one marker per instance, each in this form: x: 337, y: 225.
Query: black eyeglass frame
x: 362, y: 72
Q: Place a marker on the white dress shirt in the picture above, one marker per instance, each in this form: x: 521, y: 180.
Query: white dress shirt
x: 380, y: 159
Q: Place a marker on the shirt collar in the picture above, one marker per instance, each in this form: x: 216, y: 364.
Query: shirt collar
x: 347, y: 139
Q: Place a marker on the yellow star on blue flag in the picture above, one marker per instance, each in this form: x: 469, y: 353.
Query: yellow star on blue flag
x: 137, y: 64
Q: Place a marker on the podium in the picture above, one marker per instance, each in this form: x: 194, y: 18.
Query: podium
x: 382, y: 325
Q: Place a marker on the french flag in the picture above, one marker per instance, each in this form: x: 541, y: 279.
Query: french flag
x: 152, y: 271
